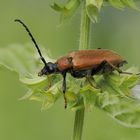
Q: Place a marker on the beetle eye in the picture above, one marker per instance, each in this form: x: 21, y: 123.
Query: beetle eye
x: 50, y: 67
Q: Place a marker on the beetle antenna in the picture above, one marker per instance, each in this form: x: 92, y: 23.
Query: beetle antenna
x: 32, y: 38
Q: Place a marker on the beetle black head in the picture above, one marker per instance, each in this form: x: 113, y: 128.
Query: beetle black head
x: 49, y: 67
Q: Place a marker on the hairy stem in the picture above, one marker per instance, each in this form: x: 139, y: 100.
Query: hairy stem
x: 83, y: 44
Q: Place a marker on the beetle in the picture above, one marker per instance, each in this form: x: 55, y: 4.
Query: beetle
x: 80, y: 63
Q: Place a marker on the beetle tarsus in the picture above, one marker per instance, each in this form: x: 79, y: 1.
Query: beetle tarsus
x: 90, y: 82
x: 129, y: 73
x: 64, y: 88
x: 65, y: 102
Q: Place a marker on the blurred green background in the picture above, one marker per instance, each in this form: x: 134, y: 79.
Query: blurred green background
x: 23, y: 120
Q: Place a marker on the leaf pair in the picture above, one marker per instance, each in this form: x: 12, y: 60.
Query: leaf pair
x: 93, y: 7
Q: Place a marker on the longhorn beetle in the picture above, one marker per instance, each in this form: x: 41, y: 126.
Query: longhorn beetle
x: 80, y: 63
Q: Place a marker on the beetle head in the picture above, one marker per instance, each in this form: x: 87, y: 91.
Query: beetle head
x: 49, y: 68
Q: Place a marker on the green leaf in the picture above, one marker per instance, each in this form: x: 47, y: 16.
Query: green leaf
x: 45, y: 94
x: 136, y: 92
x: 75, y: 101
x: 93, y: 8
x: 24, y: 65
x: 27, y: 95
x: 117, y: 4
x: 130, y: 3
x: 125, y: 110
x: 57, y: 7
x: 32, y: 81
x: 130, y: 81
x: 89, y: 95
x: 24, y: 60
x: 51, y: 95
x: 68, y: 10
x: 123, y: 3
x: 115, y: 101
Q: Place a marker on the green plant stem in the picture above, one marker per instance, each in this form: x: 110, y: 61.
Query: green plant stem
x: 84, y: 29
x: 83, y: 44
x: 78, y: 125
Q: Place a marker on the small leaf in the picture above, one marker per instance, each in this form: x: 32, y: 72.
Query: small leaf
x: 130, y: 3
x: 57, y: 7
x: 130, y: 81
x: 51, y: 95
x: 68, y: 10
x: 27, y: 95
x: 117, y: 4
x: 93, y: 8
x: 36, y: 98
x: 32, y: 81
x: 89, y: 96
x: 71, y: 96
x: 72, y: 99
x: 48, y: 101
x: 136, y: 92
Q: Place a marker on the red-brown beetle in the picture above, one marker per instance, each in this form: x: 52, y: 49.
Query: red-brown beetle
x: 81, y: 63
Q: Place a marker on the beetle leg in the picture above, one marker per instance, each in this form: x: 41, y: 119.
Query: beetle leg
x: 49, y: 81
x: 125, y: 72
x: 99, y: 68
x: 117, y: 69
x: 64, y: 88
x: 88, y: 78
